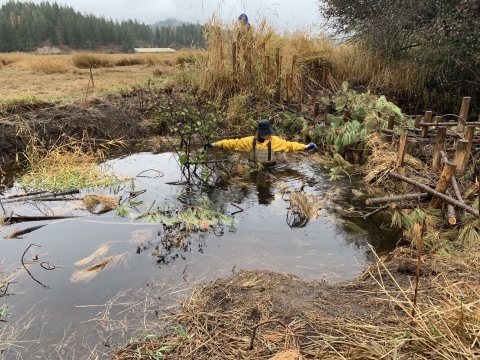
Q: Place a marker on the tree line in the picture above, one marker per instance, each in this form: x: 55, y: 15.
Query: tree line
x: 25, y: 26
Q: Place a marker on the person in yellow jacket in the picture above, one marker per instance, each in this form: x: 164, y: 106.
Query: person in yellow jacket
x: 263, y: 145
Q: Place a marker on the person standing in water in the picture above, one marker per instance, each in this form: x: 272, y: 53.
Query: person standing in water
x: 262, y: 145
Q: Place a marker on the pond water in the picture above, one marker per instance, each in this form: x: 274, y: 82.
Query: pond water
x: 82, y: 320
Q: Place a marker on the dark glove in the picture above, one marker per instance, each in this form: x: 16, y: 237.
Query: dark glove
x: 208, y: 146
x: 311, y: 146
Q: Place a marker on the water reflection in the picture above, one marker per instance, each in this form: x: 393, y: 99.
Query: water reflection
x: 266, y: 235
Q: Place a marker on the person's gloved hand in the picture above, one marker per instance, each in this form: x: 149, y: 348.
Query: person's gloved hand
x: 311, y: 146
x: 208, y: 146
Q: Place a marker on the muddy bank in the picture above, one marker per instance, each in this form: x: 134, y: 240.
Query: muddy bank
x: 108, y: 118
x: 367, y: 318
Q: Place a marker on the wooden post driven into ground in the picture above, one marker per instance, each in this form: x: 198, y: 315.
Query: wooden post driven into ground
x: 418, y: 119
x: 301, y: 96
x: 315, y: 110
x: 462, y: 119
x: 289, y: 82
x: 293, y: 74
x: 401, y: 149
x: 328, y: 110
x: 469, y: 137
x: 267, y: 67
x: 391, y: 122
x: 460, y: 154
x: 234, y: 65
x: 442, y: 185
x: 278, y: 81
x: 346, y: 116
x: 249, y: 60
x: 427, y: 119
x: 439, y: 145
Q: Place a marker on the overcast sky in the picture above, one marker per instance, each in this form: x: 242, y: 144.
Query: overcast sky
x: 282, y: 13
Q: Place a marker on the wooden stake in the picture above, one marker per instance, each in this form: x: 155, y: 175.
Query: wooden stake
x: 451, y: 217
x: 391, y: 122
x: 293, y: 74
x: 442, y: 185
x: 437, y: 120
x: 234, y: 65
x: 417, y: 274
x: 462, y: 119
x: 314, y: 97
x: 401, y: 149
x: 315, y: 109
x: 460, y: 153
x: 346, y: 116
x: 418, y: 119
x: 302, y: 89
x: 267, y: 66
x: 249, y: 60
x: 427, y: 119
x: 278, y: 80
x: 469, y: 137
x: 289, y: 82
x: 328, y: 110
x: 439, y: 145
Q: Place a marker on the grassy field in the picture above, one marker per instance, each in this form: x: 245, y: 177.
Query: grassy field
x: 27, y: 78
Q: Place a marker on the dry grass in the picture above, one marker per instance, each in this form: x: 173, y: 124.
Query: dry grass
x: 369, y: 318
x: 102, y: 250
x: 30, y: 78
x: 383, y: 159
x: 87, y: 274
x: 71, y: 164
x: 97, y: 204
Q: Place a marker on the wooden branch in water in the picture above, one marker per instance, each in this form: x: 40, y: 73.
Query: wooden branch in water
x: 17, y: 233
x: 19, y: 219
x: 429, y: 190
x: 47, y: 195
x: 406, y: 197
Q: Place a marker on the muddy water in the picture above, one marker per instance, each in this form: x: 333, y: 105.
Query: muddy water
x: 77, y: 320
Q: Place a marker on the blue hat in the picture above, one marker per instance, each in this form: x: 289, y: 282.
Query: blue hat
x: 243, y: 17
x: 265, y: 127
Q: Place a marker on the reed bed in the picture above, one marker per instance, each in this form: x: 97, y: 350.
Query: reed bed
x: 368, y: 318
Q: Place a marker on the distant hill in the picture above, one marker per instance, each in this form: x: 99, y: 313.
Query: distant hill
x: 26, y: 26
x: 170, y: 22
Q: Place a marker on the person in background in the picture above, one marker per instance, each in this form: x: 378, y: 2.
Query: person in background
x: 263, y: 145
x: 244, y: 19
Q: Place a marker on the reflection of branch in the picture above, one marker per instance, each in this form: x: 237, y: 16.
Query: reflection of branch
x: 29, y: 273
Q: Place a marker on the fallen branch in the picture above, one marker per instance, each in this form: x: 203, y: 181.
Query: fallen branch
x: 55, y: 195
x: 439, y: 195
x: 19, y: 219
x: 385, y: 207
x: 238, y: 207
x: 374, y: 201
x: 29, y: 273
x: 453, y: 180
x: 16, y: 234
x: 451, y: 218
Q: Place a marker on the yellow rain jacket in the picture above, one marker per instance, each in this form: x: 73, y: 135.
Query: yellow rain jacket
x: 261, y: 149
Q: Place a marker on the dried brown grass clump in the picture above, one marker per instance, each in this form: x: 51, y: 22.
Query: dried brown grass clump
x: 57, y: 64
x: 383, y: 159
x: 97, y: 204
x: 87, y: 61
x: 102, y: 250
x: 85, y: 275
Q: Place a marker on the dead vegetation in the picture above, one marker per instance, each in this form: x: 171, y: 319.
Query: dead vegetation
x: 368, y: 318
